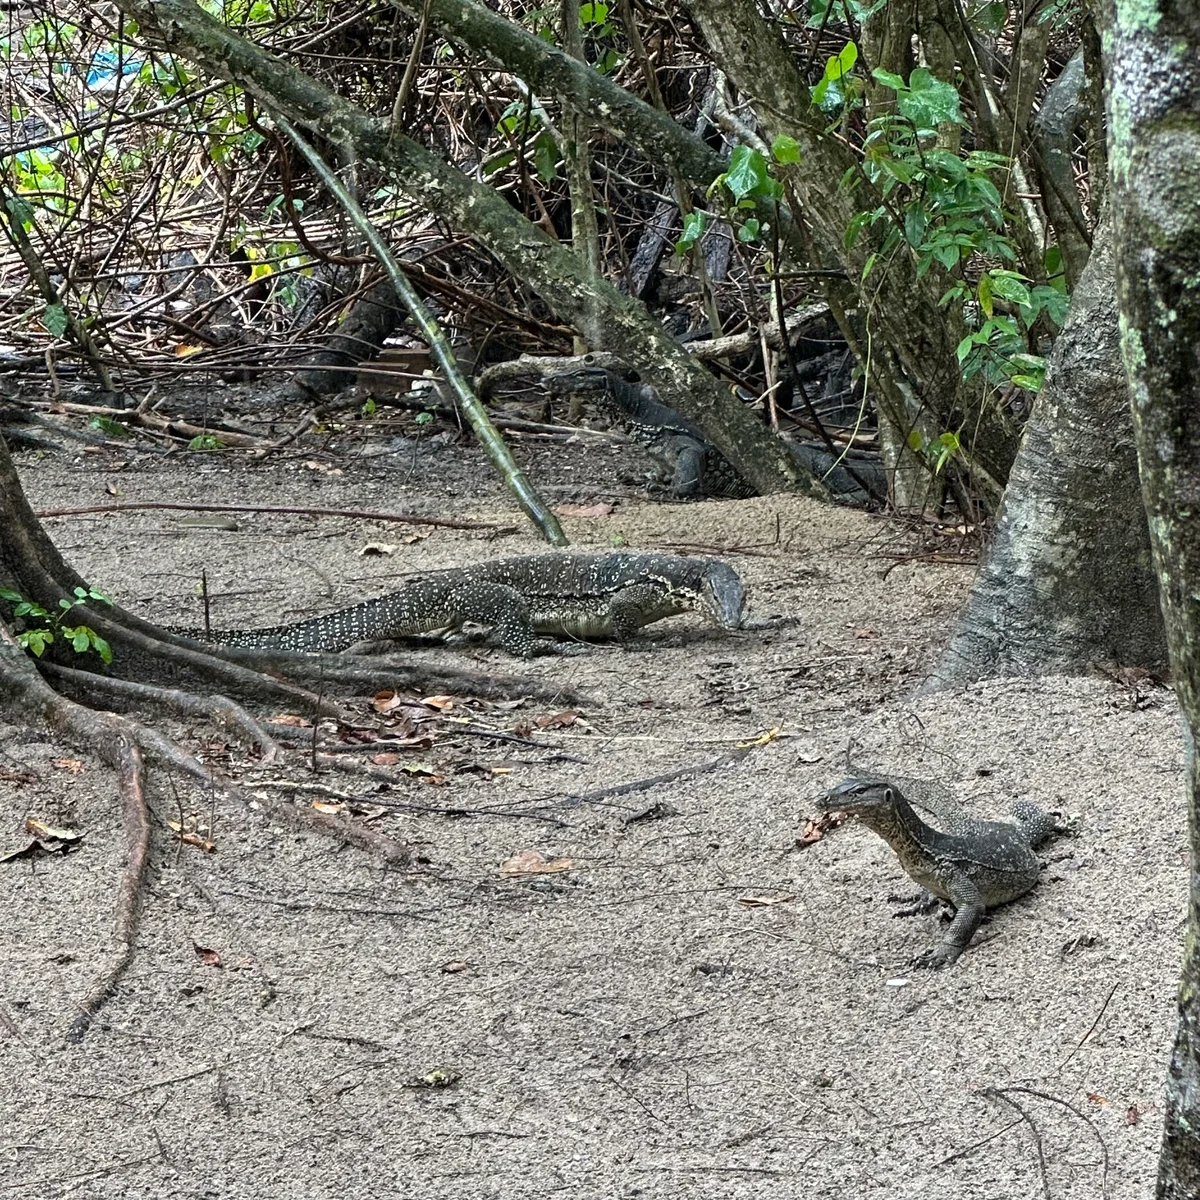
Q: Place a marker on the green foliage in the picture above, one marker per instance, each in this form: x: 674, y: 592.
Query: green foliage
x: 109, y: 426
x: 42, y: 626
x: 925, y: 100
x: 842, y: 12
x: 838, y: 88
x: 785, y: 150
x: 947, y: 210
x: 520, y: 124
x: 55, y: 319
x: 939, y: 451
x: 206, y: 442
x: 739, y: 190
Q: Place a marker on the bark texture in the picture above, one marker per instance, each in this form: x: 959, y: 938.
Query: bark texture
x: 1068, y: 581
x: 1152, y: 55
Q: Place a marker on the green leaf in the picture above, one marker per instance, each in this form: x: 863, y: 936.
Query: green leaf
x: 108, y: 425
x: 915, y: 441
x: 785, y: 150
x: 856, y: 226
x: 747, y: 172
x: 964, y: 348
x: 895, y: 82
x: 914, y: 225
x: 11, y: 596
x: 545, y: 157
x: 694, y: 225
x: 206, y: 441
x: 985, y: 294
x: 102, y: 648
x: 593, y: 14
x: 36, y: 641
x: 55, y: 319
x: 929, y: 101
x: 1008, y: 286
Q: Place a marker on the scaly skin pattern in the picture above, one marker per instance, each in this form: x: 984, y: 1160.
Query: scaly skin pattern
x: 974, y: 864
x: 572, y: 595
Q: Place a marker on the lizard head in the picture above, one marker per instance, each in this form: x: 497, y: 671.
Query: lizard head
x: 579, y: 381
x: 723, y: 595
x: 859, y: 796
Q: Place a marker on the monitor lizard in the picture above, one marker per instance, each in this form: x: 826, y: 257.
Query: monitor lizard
x: 972, y: 863
x: 574, y: 595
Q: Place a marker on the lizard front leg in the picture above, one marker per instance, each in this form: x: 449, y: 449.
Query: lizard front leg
x: 970, y: 909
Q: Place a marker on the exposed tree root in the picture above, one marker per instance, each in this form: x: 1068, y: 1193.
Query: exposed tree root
x: 132, y: 776
x: 115, y: 740
x: 215, y: 708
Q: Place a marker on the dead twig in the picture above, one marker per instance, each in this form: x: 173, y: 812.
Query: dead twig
x: 355, y: 514
x: 642, y: 785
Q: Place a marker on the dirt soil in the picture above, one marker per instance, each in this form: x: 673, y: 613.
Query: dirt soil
x: 696, y: 1005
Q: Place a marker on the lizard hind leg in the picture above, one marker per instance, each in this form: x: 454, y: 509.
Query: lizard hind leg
x: 501, y: 607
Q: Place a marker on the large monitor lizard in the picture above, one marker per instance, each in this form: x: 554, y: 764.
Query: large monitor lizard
x: 972, y: 863
x: 690, y: 463
x: 574, y: 595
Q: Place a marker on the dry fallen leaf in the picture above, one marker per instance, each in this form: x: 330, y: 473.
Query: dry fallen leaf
x: 1133, y: 1115
x: 763, y: 738
x: 386, y: 701
x: 378, y: 548
x: 453, y: 967
x: 753, y: 901
x: 329, y: 807
x: 210, y: 958
x: 558, y: 720
x: 441, y: 703
x: 815, y: 828
x: 289, y: 719
x: 68, y: 764
x: 1096, y: 1098
x: 51, y: 833
x: 584, y: 510
x: 530, y: 862
x: 439, y: 1077
x: 386, y: 759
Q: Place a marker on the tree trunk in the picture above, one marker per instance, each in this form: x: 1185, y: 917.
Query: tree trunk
x: 1153, y: 74
x: 1068, y: 581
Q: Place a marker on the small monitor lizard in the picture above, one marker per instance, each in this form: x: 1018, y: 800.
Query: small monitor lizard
x: 972, y: 863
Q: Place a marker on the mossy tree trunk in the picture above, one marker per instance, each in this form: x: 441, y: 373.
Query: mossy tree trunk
x: 1068, y: 582
x: 1152, y: 61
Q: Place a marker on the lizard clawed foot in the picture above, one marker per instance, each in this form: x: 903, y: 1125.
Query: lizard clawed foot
x: 943, y: 954
x: 916, y: 904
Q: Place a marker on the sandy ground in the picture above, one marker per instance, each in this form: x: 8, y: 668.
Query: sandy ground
x: 699, y: 1006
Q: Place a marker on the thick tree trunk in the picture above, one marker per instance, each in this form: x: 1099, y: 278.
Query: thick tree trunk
x: 1152, y: 52
x: 1068, y: 581
x: 527, y: 251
